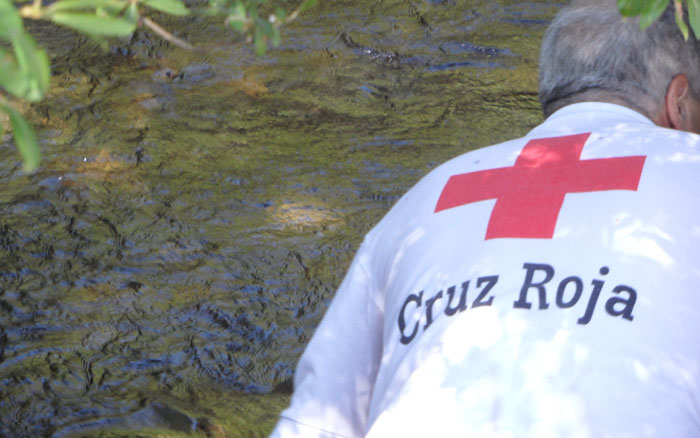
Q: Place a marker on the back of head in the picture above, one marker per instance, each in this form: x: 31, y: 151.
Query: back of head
x: 590, y: 52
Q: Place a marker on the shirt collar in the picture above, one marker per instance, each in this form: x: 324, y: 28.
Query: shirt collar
x: 588, y: 116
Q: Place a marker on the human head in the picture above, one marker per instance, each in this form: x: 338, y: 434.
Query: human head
x: 591, y: 53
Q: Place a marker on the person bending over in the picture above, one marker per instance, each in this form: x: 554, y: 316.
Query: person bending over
x: 542, y: 287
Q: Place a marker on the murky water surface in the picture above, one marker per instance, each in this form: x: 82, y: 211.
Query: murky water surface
x: 195, y: 211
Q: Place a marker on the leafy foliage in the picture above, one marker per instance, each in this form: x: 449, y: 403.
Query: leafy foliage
x: 93, y: 24
x: 650, y: 10
x: 24, y: 73
x: 25, y: 139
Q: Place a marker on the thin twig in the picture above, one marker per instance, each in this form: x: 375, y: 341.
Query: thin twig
x: 293, y: 16
x: 165, y: 34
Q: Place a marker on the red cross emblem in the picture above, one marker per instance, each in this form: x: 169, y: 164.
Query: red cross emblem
x: 530, y: 194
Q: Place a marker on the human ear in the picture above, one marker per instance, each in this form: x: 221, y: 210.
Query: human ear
x: 677, y: 102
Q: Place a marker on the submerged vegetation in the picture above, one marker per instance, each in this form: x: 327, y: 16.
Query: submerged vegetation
x: 25, y: 72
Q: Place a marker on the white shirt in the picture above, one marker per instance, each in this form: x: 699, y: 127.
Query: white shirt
x: 543, y: 287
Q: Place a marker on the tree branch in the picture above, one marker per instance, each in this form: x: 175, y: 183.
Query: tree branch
x: 165, y: 34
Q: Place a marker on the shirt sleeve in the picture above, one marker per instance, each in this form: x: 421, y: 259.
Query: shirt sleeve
x: 335, y: 376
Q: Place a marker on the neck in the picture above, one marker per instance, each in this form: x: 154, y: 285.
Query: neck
x: 602, y: 96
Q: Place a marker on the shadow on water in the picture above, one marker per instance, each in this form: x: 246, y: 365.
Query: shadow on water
x: 194, y: 213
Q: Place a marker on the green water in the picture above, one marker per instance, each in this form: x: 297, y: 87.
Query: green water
x: 195, y: 211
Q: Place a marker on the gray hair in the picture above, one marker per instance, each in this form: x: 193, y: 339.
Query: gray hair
x: 591, y: 52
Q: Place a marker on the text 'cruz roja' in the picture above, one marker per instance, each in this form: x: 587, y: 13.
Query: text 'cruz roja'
x: 537, y: 288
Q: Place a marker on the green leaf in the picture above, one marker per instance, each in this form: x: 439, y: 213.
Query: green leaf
x: 25, y: 139
x: 630, y: 8
x: 92, y: 24
x: 27, y: 74
x: 67, y: 5
x: 237, y: 16
x: 652, y: 11
x: 34, y: 64
x: 680, y: 22
x: 10, y: 20
x: 238, y: 11
x: 237, y: 24
x: 694, y: 16
x: 260, y: 41
x: 111, y: 9
x: 11, y: 77
x: 132, y: 12
x: 275, y: 38
x: 173, y: 7
x: 308, y: 4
